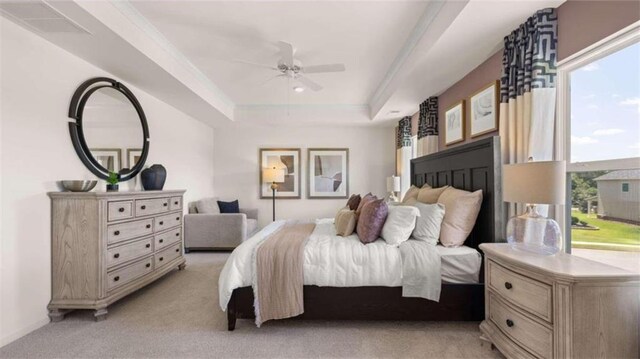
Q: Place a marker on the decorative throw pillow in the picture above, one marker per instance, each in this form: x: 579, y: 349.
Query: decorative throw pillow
x: 345, y: 222
x: 412, y: 193
x: 430, y: 195
x: 366, y: 199
x: 399, y: 224
x: 208, y: 206
x: 371, y: 220
x: 461, y: 211
x: 429, y: 223
x: 229, y: 207
x: 354, y: 201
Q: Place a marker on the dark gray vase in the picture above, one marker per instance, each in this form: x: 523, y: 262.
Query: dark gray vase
x: 153, y: 178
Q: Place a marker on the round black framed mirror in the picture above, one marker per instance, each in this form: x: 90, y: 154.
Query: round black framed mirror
x: 109, y: 121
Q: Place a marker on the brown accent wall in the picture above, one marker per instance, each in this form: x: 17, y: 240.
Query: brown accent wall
x: 475, y: 80
x: 583, y: 23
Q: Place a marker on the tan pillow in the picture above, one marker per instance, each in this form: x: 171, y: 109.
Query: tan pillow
x: 412, y: 193
x: 460, y: 212
x: 430, y: 195
x: 345, y: 222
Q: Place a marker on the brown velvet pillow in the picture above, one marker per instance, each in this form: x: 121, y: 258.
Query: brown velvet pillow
x: 345, y: 222
x: 366, y: 199
x: 371, y: 220
x: 430, y: 195
x: 354, y: 201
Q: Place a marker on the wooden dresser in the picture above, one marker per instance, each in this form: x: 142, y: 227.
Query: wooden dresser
x: 559, y: 306
x: 106, y: 245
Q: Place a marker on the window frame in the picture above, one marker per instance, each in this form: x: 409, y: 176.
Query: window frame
x: 628, y: 36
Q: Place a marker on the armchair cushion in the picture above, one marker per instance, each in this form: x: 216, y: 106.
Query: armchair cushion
x: 208, y: 206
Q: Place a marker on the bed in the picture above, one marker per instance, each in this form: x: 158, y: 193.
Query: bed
x: 472, y: 166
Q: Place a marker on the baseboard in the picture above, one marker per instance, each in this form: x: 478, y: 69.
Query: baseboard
x: 11, y: 337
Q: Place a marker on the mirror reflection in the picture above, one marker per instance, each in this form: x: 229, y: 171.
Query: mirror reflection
x: 112, y: 130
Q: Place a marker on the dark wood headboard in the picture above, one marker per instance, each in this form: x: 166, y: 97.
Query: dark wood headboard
x: 476, y: 165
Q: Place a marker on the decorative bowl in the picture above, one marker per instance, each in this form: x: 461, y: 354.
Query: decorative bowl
x: 78, y: 185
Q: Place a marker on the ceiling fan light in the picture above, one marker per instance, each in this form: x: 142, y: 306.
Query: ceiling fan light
x: 298, y: 89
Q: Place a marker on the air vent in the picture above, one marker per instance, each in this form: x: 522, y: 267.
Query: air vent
x: 39, y: 16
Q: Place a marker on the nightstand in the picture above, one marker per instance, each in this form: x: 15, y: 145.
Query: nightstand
x: 558, y: 306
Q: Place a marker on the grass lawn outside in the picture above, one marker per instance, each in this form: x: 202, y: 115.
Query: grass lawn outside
x: 611, y: 235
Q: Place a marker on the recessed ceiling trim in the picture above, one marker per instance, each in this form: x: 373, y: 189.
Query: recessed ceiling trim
x: 429, y: 14
x: 39, y: 16
x: 125, y: 7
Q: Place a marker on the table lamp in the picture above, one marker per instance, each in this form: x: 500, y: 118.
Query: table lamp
x: 273, y: 176
x: 534, y: 183
x: 393, y: 186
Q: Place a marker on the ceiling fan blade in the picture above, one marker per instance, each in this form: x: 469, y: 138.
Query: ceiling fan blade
x: 308, y: 83
x: 323, y: 68
x: 254, y: 64
x: 286, y: 51
x: 271, y: 78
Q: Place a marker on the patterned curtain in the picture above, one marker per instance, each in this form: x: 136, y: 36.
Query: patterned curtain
x: 428, y: 127
x: 527, y: 90
x: 403, y: 154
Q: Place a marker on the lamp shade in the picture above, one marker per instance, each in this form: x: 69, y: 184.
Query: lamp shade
x: 534, y: 182
x: 393, y: 184
x: 270, y: 175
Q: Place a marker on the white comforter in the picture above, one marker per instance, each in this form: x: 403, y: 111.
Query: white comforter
x: 329, y: 260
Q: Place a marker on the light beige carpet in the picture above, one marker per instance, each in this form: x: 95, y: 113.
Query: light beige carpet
x: 178, y: 317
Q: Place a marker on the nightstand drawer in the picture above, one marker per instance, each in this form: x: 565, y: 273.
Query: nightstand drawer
x: 123, y: 231
x: 129, y: 251
x: 525, y: 292
x: 167, y: 255
x: 167, y: 238
x: 120, y: 210
x: 531, y: 335
x: 168, y: 221
x: 146, y: 207
x: 129, y: 273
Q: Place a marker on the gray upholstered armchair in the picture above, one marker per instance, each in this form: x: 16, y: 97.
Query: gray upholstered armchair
x: 215, y: 230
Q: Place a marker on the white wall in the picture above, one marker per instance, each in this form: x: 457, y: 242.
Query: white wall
x: 37, y: 82
x: 236, y: 152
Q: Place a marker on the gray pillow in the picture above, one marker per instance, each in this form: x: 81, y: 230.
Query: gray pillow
x: 208, y: 206
x: 428, y: 224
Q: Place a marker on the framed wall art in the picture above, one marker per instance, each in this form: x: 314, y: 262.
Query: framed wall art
x: 328, y: 173
x: 286, y: 160
x: 484, y: 110
x: 454, y: 124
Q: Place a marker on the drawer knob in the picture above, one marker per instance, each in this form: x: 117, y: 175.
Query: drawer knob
x: 148, y: 265
x: 178, y: 234
x: 177, y: 249
x: 161, y: 259
x: 143, y: 207
x: 148, y: 226
x: 161, y: 240
x: 508, y: 285
x: 117, y: 255
x: 148, y: 245
x: 177, y: 218
x: 121, y: 209
x: 116, y: 278
x: 161, y: 223
x: 165, y: 204
x: 116, y: 233
x: 509, y: 323
x: 176, y: 203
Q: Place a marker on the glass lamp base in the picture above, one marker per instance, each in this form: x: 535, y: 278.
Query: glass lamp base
x: 534, y: 233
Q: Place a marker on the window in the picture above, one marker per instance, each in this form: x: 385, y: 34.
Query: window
x: 599, y: 128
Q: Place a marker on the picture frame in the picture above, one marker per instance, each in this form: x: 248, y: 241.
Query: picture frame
x: 109, y: 158
x: 133, y: 155
x: 327, y: 173
x: 484, y: 106
x: 287, y: 159
x: 454, y: 124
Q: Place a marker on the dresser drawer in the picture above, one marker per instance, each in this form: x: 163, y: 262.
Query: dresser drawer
x: 531, y: 335
x: 119, y: 210
x: 168, y: 221
x: 147, y: 207
x: 175, y: 203
x: 528, y: 293
x: 129, y: 273
x: 167, y: 238
x: 167, y: 255
x: 129, y: 251
x: 123, y: 231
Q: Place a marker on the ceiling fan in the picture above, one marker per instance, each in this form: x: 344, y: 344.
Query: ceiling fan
x: 289, y: 67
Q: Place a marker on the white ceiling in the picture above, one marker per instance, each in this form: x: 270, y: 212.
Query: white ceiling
x: 397, y: 53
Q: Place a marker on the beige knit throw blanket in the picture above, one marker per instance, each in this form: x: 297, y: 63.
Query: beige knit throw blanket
x: 278, y: 273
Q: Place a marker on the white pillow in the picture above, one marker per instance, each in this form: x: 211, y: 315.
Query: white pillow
x: 429, y: 222
x: 399, y: 224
